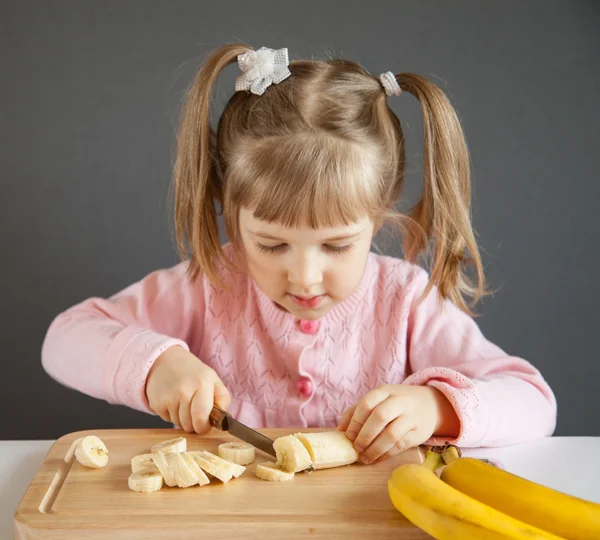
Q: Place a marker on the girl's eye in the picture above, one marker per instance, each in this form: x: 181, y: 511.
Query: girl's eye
x: 270, y: 249
x: 339, y: 249
x: 281, y: 247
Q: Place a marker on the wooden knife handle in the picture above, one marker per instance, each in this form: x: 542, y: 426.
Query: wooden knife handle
x: 218, y: 419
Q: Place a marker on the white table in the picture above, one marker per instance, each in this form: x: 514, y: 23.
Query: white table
x: 569, y: 464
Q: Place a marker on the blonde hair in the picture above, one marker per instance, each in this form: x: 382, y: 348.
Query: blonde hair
x: 322, y: 149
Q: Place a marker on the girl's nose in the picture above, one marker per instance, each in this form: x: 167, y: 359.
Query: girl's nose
x: 305, y: 271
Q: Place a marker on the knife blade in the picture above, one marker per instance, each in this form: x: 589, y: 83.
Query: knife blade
x: 222, y: 420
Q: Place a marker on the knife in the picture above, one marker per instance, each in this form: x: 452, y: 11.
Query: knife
x: 222, y: 420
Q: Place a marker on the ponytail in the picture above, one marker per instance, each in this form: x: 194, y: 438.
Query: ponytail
x: 195, y: 177
x: 442, y: 218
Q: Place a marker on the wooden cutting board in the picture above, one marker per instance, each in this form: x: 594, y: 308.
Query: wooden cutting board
x: 67, y: 501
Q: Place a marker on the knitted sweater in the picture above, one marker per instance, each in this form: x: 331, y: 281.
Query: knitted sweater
x: 285, y: 372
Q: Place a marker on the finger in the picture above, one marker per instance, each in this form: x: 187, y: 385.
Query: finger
x: 201, y: 407
x: 222, y: 396
x: 364, y: 408
x: 185, y: 415
x: 345, y: 420
x: 411, y: 439
x: 174, y: 414
x: 392, y: 441
x: 380, y: 417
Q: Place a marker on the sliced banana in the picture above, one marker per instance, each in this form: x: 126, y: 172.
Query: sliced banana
x: 292, y: 455
x: 272, y: 473
x: 240, y: 453
x: 92, y: 452
x: 145, y: 481
x: 184, y: 476
x: 200, y: 476
x: 167, y: 473
x: 205, y: 462
x: 235, y: 469
x: 142, y: 462
x: 179, y: 444
x: 328, y: 449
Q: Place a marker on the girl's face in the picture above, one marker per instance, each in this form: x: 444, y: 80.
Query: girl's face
x: 305, y: 271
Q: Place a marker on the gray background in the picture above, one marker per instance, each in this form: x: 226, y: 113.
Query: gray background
x: 89, y: 100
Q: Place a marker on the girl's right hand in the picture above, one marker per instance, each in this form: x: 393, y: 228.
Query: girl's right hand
x: 182, y: 389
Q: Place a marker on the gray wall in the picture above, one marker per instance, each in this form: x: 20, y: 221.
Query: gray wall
x: 88, y: 107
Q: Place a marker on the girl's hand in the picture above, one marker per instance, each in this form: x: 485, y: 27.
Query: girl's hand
x: 181, y: 389
x: 395, y: 417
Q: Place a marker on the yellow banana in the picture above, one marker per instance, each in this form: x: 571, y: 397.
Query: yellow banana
x: 447, y: 514
x: 557, y: 512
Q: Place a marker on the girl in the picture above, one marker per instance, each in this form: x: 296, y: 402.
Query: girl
x: 294, y: 322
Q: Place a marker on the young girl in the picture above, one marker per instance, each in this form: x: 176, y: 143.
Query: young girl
x: 294, y: 322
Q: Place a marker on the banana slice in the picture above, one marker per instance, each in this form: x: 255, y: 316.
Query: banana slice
x: 292, y: 455
x: 145, y: 481
x: 179, y: 444
x: 142, y: 462
x: 184, y: 476
x: 163, y: 467
x: 200, y: 476
x: 270, y: 472
x: 240, y: 453
x: 92, y: 452
x: 328, y: 449
x: 235, y: 469
x: 208, y: 464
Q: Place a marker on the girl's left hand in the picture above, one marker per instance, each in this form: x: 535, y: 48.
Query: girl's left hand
x: 395, y: 417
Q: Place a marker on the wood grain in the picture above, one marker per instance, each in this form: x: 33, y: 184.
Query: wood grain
x: 67, y: 501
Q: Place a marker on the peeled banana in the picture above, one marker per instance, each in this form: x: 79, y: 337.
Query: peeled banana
x: 447, y: 514
x: 240, y: 453
x: 184, y: 476
x: 145, y: 481
x: 559, y: 513
x: 200, y: 476
x: 328, y: 449
x: 179, y: 444
x: 163, y: 466
x: 235, y: 469
x: 272, y: 473
x: 142, y: 462
x: 92, y: 452
x: 207, y: 463
x: 292, y: 455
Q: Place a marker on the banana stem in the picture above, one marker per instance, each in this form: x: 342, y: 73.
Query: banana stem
x: 450, y: 453
x: 433, y: 461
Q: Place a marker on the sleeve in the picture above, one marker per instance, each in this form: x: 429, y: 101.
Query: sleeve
x: 106, y: 347
x: 499, y: 399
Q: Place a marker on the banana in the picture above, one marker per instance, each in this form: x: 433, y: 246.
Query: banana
x: 208, y: 464
x: 532, y: 503
x: 240, y: 453
x: 235, y: 469
x: 272, y: 473
x: 200, y: 476
x: 92, y: 452
x: 179, y: 444
x: 162, y: 465
x: 142, y: 462
x: 184, y: 476
x: 145, y: 481
x: 292, y: 455
x: 328, y: 449
x: 447, y: 514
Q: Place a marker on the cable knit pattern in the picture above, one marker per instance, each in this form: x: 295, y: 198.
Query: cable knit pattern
x: 268, y: 359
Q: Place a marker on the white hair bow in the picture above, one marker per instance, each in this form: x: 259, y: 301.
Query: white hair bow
x: 261, y: 69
